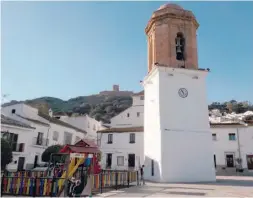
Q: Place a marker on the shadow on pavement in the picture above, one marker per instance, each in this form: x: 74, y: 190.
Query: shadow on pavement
x: 231, y: 182
x: 187, y: 193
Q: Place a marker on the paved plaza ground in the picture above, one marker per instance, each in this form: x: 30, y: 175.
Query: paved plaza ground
x: 225, y: 186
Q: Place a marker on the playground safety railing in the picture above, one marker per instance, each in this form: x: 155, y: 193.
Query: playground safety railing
x: 22, y: 184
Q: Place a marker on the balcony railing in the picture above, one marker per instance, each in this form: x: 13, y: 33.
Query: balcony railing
x: 18, y: 147
x: 40, y: 141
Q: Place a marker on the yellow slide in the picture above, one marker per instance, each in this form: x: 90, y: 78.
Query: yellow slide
x: 71, y: 170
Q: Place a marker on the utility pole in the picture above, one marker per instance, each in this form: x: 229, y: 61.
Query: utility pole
x: 238, y: 143
x: 239, y: 148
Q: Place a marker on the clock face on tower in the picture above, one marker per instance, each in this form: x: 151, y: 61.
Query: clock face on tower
x: 182, y: 92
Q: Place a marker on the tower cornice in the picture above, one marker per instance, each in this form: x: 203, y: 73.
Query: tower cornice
x: 156, y: 18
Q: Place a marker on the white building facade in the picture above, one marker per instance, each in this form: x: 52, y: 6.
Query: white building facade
x: 17, y: 133
x: 85, y: 122
x: 132, y: 116
x: 122, y: 148
x: 46, y: 131
x: 116, y: 146
x: 233, y: 142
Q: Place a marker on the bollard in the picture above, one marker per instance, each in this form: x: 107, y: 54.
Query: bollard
x: 116, y: 180
x: 138, y: 178
x: 2, y: 185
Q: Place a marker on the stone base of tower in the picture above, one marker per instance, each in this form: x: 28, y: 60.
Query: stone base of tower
x: 178, y: 143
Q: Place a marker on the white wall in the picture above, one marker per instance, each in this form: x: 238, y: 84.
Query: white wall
x: 24, y: 136
x: 121, y: 147
x: 90, y: 125
x: 61, y: 129
x: 223, y: 145
x: 23, y: 110
x: 31, y: 149
x: 152, y: 135
x: 122, y: 119
x: 246, y: 142
x: 138, y: 100
x: 184, y: 126
x: 8, y: 110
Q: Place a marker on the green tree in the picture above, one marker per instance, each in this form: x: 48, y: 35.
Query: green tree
x: 98, y: 116
x: 6, y: 154
x: 45, y: 157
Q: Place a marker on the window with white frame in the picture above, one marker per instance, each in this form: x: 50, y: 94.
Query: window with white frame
x: 214, y: 136
x: 231, y: 136
x: 142, y: 97
x: 120, y: 160
x: 110, y: 138
x: 55, y: 135
x: 132, y: 138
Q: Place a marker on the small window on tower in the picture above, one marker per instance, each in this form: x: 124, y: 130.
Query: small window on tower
x: 128, y: 114
x: 13, y: 111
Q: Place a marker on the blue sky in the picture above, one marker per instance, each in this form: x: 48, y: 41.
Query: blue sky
x: 69, y: 49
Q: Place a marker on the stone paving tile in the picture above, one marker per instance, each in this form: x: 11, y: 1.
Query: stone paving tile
x: 235, y: 186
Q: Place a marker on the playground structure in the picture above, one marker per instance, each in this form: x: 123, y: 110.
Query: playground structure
x: 81, y: 155
x: 81, y: 161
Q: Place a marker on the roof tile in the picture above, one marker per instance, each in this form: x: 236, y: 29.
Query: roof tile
x: 9, y: 121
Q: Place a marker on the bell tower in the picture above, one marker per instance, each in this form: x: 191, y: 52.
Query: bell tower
x: 171, y: 34
x: 178, y: 143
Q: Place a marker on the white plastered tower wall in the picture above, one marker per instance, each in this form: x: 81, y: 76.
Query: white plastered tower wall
x: 177, y: 133
x: 152, y: 135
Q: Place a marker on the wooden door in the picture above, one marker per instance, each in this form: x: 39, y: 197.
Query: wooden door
x: 21, y: 162
x: 35, y: 161
x: 109, y: 160
x: 131, y: 160
x: 230, y: 160
x: 250, y: 161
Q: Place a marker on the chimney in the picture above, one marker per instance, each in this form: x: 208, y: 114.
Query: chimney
x: 115, y: 87
x: 50, y: 112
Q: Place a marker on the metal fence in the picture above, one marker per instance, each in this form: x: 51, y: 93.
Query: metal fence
x: 22, y: 184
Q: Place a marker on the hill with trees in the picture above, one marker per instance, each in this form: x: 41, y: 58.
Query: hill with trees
x: 103, y: 107
x: 100, y: 107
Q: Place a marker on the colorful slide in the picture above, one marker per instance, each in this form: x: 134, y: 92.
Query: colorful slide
x: 71, y: 170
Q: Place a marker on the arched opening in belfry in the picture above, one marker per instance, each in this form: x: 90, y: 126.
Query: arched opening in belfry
x: 180, y: 46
